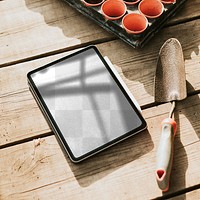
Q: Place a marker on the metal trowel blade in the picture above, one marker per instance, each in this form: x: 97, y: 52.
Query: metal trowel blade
x: 170, y: 80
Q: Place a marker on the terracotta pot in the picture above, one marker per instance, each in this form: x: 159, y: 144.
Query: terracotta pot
x: 151, y: 8
x: 93, y: 2
x: 131, y: 2
x: 134, y: 23
x: 168, y: 1
x: 113, y: 9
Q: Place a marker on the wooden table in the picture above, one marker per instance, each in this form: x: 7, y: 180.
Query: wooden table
x: 34, y: 33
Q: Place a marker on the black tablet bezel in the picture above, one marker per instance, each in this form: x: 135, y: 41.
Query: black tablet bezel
x: 52, y: 122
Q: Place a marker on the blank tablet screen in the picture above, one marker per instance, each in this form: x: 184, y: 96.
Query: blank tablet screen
x: 86, y: 103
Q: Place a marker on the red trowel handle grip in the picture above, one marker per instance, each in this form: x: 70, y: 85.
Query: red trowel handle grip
x: 165, y: 153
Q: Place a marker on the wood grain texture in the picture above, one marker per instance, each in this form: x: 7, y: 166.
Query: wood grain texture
x: 191, y: 10
x: 34, y: 28
x: 136, y: 67
x: 38, y: 169
x: 30, y: 28
x: 190, y: 195
x: 20, y: 118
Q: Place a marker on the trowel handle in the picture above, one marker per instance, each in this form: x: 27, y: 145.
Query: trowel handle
x: 165, y: 153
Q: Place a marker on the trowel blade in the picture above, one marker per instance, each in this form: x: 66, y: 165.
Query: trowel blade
x: 170, y: 79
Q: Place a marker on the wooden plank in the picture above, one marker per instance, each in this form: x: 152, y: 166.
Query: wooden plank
x: 190, y: 10
x: 38, y: 169
x: 21, y: 118
x: 136, y: 67
x: 195, y: 194
x: 35, y: 28
x: 14, y: 78
x: 48, y: 26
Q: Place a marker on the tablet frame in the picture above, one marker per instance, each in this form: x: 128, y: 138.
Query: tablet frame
x: 52, y: 123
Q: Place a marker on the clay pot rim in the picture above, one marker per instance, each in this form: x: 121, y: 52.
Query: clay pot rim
x: 168, y: 2
x: 135, y: 32
x: 150, y: 16
x: 92, y: 4
x: 113, y: 18
x: 131, y: 3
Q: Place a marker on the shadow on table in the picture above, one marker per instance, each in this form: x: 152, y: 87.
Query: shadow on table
x: 80, y: 92
x: 180, y: 165
x: 129, y: 150
x: 143, y: 61
x: 147, y: 72
x: 111, y: 159
x: 60, y: 15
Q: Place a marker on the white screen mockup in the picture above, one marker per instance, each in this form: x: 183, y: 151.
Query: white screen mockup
x: 86, y: 103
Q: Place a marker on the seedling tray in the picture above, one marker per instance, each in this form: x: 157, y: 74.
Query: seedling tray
x: 115, y: 26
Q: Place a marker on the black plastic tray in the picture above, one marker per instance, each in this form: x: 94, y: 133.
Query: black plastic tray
x: 115, y: 27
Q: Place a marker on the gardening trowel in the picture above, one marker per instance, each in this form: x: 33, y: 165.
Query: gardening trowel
x: 170, y: 86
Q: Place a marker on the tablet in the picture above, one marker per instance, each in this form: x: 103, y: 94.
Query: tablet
x: 84, y: 103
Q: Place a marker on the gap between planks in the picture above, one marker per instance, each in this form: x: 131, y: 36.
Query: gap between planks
x: 25, y: 140
x: 42, y: 135
x: 96, y: 42
x: 178, y: 193
x: 58, y: 51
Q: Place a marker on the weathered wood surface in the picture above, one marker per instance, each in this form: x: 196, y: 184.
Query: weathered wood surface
x: 190, y: 195
x: 136, y: 67
x: 32, y: 170
x: 29, y: 29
